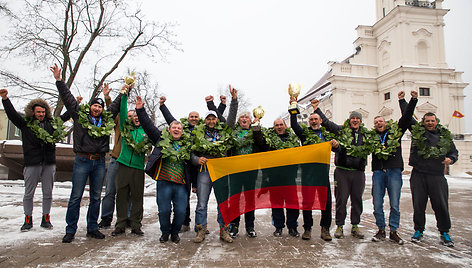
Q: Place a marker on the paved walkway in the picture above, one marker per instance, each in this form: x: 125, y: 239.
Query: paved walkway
x: 263, y: 251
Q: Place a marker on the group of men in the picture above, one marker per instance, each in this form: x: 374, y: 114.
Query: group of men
x: 180, y: 153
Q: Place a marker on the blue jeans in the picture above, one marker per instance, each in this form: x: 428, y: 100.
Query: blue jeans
x: 390, y: 180
x: 108, y: 201
x: 171, y: 193
x: 94, y: 170
x: 204, y: 185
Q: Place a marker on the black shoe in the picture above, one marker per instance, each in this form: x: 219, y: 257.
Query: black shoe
x: 233, y: 230
x: 117, y: 231
x: 95, y: 234
x: 175, y: 238
x: 46, y: 222
x: 278, y: 232
x: 68, y: 238
x: 28, y: 224
x: 250, y: 232
x: 293, y: 232
x: 137, y: 231
x: 164, y: 238
x: 105, y: 223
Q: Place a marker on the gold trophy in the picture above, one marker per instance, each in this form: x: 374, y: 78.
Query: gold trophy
x: 258, y: 113
x: 294, y: 90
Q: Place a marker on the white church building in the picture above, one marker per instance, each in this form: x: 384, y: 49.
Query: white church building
x: 403, y: 50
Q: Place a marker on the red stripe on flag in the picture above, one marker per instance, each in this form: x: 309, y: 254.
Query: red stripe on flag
x: 294, y: 197
x: 457, y: 114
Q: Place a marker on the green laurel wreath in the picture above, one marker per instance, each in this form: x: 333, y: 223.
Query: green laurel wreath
x: 273, y: 140
x: 244, y: 141
x: 57, y: 135
x: 167, y: 144
x: 441, y: 149
x: 141, y: 147
x: 216, y: 148
x: 311, y: 138
x: 345, y: 139
x: 393, y: 142
x: 93, y: 131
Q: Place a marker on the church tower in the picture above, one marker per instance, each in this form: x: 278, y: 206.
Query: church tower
x: 403, y: 50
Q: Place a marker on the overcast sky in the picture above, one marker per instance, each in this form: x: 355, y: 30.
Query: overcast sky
x: 261, y: 46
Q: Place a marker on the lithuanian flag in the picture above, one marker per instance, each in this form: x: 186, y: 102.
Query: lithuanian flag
x: 296, y: 178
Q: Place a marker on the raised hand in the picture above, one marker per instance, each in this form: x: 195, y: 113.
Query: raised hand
x: 56, y: 72
x: 4, y: 94
x: 209, y: 98
x: 139, y: 102
x: 162, y: 100
x: 234, y: 92
x: 223, y: 99
x: 401, y: 95
x: 106, y: 89
x: 79, y: 99
x: 315, y: 103
x: 414, y: 94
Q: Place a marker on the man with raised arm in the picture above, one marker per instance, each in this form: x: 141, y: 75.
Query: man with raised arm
x: 92, y: 129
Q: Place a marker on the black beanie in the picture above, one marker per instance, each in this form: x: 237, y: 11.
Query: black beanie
x: 98, y: 101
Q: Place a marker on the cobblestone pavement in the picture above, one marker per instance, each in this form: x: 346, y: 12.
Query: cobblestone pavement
x: 263, y: 251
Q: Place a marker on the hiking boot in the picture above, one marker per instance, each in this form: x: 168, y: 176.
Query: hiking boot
x: 250, y: 232
x: 200, y: 234
x: 278, y: 232
x: 233, y: 230
x: 105, y: 223
x: 46, y: 222
x: 95, y: 234
x: 137, y: 231
x: 325, y: 234
x: 293, y: 232
x: 164, y: 238
x: 118, y: 231
x: 184, y: 228
x: 446, y: 240
x: 306, y: 234
x: 68, y: 238
x: 417, y: 236
x: 28, y: 224
x: 175, y: 238
x: 356, y: 232
x: 339, y: 232
x: 224, y: 234
x: 380, y: 236
x: 395, y: 238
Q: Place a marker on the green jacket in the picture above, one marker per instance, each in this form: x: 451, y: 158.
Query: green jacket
x: 127, y: 156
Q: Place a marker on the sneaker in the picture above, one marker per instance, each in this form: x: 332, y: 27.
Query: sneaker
x: 395, y: 238
x: 417, y: 236
x: 293, y: 232
x: 306, y: 234
x: 105, y: 223
x: 175, y: 238
x: 200, y: 234
x: 379, y: 236
x: 446, y: 240
x: 325, y: 234
x: 184, y: 228
x: 68, y: 238
x: 356, y: 232
x: 164, y: 238
x: 278, y: 232
x: 118, y: 231
x: 28, y: 224
x: 233, y: 230
x: 250, y: 232
x: 137, y: 231
x: 224, y: 234
x: 95, y: 234
x: 46, y: 222
x: 339, y: 232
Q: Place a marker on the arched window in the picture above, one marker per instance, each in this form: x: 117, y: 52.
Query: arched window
x: 422, y: 49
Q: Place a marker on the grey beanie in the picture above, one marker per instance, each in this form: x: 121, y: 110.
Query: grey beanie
x: 355, y: 114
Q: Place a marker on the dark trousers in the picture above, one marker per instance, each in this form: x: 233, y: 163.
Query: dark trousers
x: 279, y: 218
x: 129, y: 185
x: 435, y: 187
x: 187, y: 212
x: 326, y: 217
x: 248, y: 219
x: 348, y: 183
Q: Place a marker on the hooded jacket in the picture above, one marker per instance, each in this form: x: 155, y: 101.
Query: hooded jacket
x: 35, y: 151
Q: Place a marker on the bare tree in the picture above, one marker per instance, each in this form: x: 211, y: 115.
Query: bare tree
x: 243, y: 102
x: 95, y: 35
x: 145, y: 88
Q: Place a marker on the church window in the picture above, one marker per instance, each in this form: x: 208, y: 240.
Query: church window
x: 387, y: 96
x: 424, y: 91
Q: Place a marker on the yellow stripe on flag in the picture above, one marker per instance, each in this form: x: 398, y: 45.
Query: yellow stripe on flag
x: 316, y: 153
